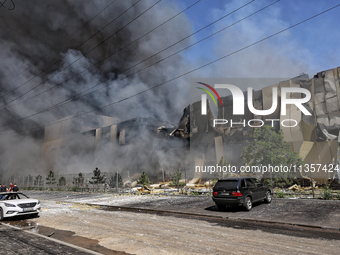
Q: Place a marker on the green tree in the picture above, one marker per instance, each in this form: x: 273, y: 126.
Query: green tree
x: 223, y: 162
x: 269, y: 148
x: 50, y: 179
x: 62, y: 181
x: 79, y: 180
x: 97, y: 177
x: 144, y: 179
x: 176, y: 177
x: 113, y: 181
x: 38, y: 181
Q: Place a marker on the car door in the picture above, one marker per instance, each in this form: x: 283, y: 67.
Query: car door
x: 260, y: 189
x: 252, y: 189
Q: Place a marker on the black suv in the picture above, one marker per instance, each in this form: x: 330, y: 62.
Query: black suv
x: 240, y: 191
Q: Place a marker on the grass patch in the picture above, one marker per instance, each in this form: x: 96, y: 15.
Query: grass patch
x: 280, y: 194
x: 326, y: 194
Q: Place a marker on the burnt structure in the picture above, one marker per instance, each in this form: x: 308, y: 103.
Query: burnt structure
x: 135, y: 145
x: 314, y: 137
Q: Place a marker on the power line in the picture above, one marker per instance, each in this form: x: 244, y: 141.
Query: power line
x: 77, y: 95
x: 65, y: 56
x: 58, y: 84
x: 4, y: 105
x: 188, y: 72
x: 70, y: 36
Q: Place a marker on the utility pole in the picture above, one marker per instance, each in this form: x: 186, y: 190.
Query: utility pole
x: 129, y: 180
x: 117, y: 182
x: 185, y: 174
x: 271, y: 181
x: 163, y: 180
x: 311, y: 177
x: 210, y: 181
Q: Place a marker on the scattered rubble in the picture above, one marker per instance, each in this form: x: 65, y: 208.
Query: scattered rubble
x: 335, y: 184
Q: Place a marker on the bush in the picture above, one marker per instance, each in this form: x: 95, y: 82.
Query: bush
x: 338, y: 195
x: 75, y: 189
x: 280, y: 194
x: 283, y: 182
x: 176, y: 177
x: 194, y: 193
x: 327, y: 194
x: 144, y: 179
x: 267, y: 182
x: 180, y: 184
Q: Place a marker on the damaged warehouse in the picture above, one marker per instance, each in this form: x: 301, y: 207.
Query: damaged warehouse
x: 114, y: 145
x: 314, y: 138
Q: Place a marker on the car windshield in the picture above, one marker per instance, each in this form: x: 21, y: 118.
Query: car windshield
x: 226, y: 184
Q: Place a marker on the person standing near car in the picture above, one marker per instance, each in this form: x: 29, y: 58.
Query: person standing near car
x: 10, y: 186
x: 15, y: 188
x: 3, y: 189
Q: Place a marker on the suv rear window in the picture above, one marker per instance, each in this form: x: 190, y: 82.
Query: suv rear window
x: 228, y: 184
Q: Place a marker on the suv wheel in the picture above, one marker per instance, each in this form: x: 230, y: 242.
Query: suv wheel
x: 268, y: 198
x: 248, y: 203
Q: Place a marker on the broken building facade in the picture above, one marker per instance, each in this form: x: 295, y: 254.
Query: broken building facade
x: 315, y: 137
x: 135, y: 145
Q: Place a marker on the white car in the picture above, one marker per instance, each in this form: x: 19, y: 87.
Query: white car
x: 16, y: 203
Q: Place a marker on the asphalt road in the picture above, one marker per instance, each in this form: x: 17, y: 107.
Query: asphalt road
x: 283, y: 227
x: 14, y: 241
x: 309, y: 212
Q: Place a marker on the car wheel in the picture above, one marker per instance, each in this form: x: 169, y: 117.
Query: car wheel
x: 1, y: 214
x: 220, y: 207
x: 248, y: 204
x: 268, y: 198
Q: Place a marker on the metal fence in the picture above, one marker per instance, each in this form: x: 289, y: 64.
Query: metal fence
x: 164, y: 181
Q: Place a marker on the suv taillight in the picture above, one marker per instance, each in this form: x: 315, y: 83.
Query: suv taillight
x: 215, y: 193
x: 237, y: 194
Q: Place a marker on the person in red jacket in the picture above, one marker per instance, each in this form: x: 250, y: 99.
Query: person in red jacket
x: 11, y: 186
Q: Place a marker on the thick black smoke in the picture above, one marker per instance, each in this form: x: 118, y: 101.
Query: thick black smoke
x: 38, y: 33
